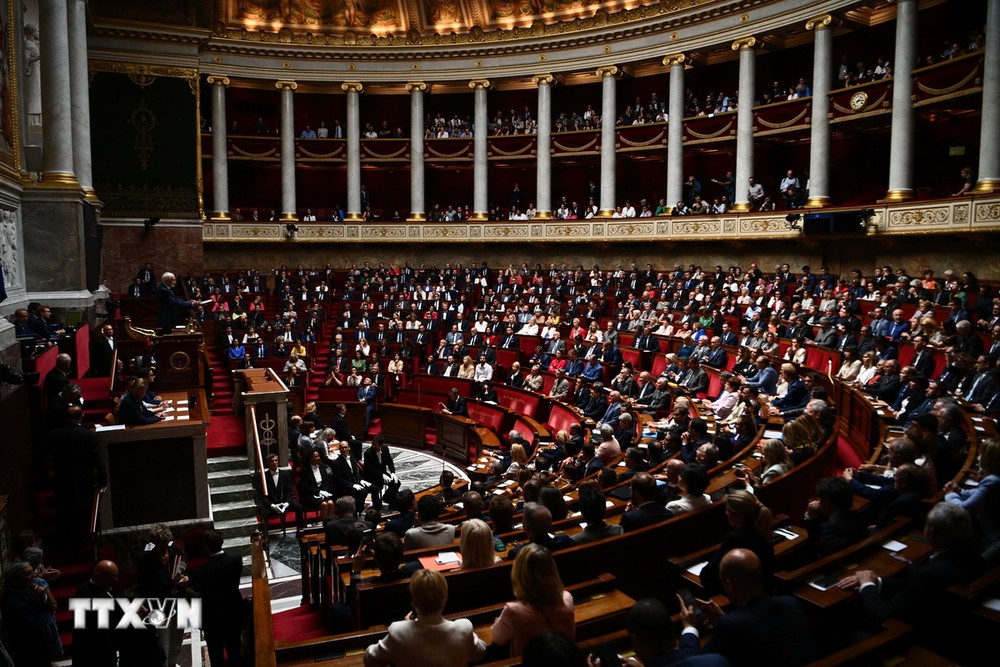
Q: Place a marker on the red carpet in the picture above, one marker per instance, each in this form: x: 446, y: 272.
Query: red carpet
x: 298, y: 624
x: 226, y: 435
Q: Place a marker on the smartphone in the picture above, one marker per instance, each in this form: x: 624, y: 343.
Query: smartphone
x: 368, y: 536
x: 688, y: 597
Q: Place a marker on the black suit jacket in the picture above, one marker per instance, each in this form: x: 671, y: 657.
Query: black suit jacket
x: 218, y: 581
x: 282, y: 491
x: 920, y: 596
x: 132, y: 412
x: 308, y: 487
x: 344, y: 476
x: 93, y: 647
x: 169, y: 307
x: 376, y: 466
x: 767, y: 631
x: 645, y: 515
x: 101, y: 357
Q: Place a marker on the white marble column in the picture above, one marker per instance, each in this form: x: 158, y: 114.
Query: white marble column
x: 289, y: 209
x: 353, y: 134
x: 819, y: 134
x: 744, y: 120
x: 480, y: 164
x: 675, y: 129
x: 903, y: 121
x: 609, y: 114
x: 80, y: 96
x: 418, y: 207
x: 220, y: 149
x: 989, y: 140
x: 57, y: 113
x: 543, y: 177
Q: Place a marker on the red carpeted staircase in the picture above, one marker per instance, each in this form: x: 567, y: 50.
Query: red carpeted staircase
x: 226, y: 431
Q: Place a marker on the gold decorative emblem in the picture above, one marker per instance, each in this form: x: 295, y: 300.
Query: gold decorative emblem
x: 180, y: 361
x: 859, y: 100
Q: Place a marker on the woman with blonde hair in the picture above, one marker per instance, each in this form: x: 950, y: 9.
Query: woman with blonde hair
x: 518, y: 459
x: 775, y: 462
x: 467, y: 371
x: 477, y: 545
x: 752, y: 527
x: 425, y: 637
x: 542, y: 604
x: 868, y: 368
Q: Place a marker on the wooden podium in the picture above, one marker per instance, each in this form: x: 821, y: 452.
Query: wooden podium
x: 158, y: 472
x: 179, y: 362
x: 264, y: 390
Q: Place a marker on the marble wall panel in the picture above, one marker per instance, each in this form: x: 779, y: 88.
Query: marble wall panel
x: 167, y: 247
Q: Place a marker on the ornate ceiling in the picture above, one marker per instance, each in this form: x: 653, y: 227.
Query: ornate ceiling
x: 379, y: 17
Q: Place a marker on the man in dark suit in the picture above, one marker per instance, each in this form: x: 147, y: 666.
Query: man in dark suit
x: 346, y: 477
x: 131, y: 409
x: 886, y: 387
x: 367, y: 394
x: 92, y: 646
x: 456, y: 405
x: 278, y: 483
x: 759, y: 629
x: 695, y: 381
x: 343, y: 431
x: 218, y: 581
x: 831, y: 524
x: 919, y: 596
x: 923, y: 359
x: 537, y: 524
x: 168, y: 306
x: 58, y: 377
x: 657, y: 642
x: 403, y: 521
x: 77, y: 471
x: 337, y: 530
x: 647, y: 510
x: 717, y: 357
x: 797, y: 392
x: 380, y: 471
x: 102, y: 352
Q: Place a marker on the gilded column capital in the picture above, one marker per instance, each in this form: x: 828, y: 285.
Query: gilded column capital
x: 823, y: 21
x: 217, y: 80
x: 352, y: 87
x: 608, y: 70
x: 744, y: 43
x: 281, y: 85
x: 539, y: 79
x: 476, y: 84
x: 674, y: 59
x: 416, y: 85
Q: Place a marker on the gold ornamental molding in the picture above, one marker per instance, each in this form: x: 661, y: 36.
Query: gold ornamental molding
x: 282, y: 85
x: 608, y: 70
x: 962, y: 215
x: 744, y: 43
x: 412, y: 86
x: 823, y: 21
x: 477, y: 84
x: 216, y: 80
x: 674, y: 59
x: 546, y: 78
x: 949, y: 89
x: 143, y: 70
x: 352, y: 87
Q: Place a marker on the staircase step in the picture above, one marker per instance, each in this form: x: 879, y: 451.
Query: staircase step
x: 224, y: 477
x: 241, y: 528
x: 232, y: 493
x: 241, y: 509
x: 228, y: 463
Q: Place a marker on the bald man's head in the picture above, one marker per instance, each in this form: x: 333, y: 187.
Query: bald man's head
x: 105, y: 574
x: 742, y: 576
